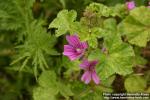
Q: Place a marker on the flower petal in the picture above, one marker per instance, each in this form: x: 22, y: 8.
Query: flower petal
x: 95, y: 78
x: 69, y: 48
x: 93, y: 63
x: 86, y: 77
x: 84, y: 45
x: 130, y: 5
x: 85, y: 64
x: 73, y: 40
x: 71, y: 55
x: 70, y: 52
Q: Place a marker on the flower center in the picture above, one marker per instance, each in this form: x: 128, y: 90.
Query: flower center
x: 91, y: 68
x: 78, y: 50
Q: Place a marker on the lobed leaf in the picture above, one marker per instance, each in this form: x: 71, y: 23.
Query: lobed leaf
x: 47, y: 88
x: 116, y: 59
x: 136, y: 26
x: 135, y: 83
x: 63, y: 22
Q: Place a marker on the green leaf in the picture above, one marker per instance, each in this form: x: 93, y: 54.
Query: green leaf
x: 148, y: 90
x: 104, y: 88
x: 65, y: 90
x: 100, y: 9
x: 41, y: 93
x: 95, y: 34
x: 110, y: 24
x: 135, y: 83
x: 116, y: 59
x: 138, y: 60
x: 136, y: 26
x: 93, y: 95
x: 20, y: 58
x: 139, y: 2
x: 64, y: 21
x: 95, y: 54
x: 63, y: 2
x: 24, y: 63
x: 79, y: 89
x: 113, y: 3
x: 109, y: 81
x: 37, y: 45
x: 84, y: 92
x: 103, y: 10
x: 48, y: 79
x: 47, y: 88
x: 72, y: 68
x: 80, y: 29
x: 15, y: 14
x: 98, y: 32
x: 92, y: 41
x: 119, y: 10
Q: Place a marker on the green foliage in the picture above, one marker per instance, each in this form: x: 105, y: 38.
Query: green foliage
x: 43, y: 94
x: 96, y: 33
x: 71, y: 68
x: 117, y: 59
x: 140, y: 2
x: 113, y: 3
x: 93, y: 96
x: 99, y: 27
x: 38, y: 44
x: 110, y: 24
x: 50, y: 87
x: 13, y: 14
x: 118, y: 55
x: 109, y: 81
x: 138, y: 59
x: 84, y: 92
x: 65, y: 90
x: 135, y: 83
x: 102, y: 10
x: 47, y: 88
x: 63, y: 22
x: 31, y: 42
x: 136, y: 26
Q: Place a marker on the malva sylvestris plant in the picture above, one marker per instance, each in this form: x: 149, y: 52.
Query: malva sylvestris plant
x: 104, y: 48
x: 75, y: 50
x: 106, y: 45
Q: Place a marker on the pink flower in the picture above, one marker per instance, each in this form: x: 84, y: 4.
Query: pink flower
x: 75, y: 49
x: 130, y: 5
x: 89, y: 71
